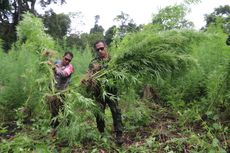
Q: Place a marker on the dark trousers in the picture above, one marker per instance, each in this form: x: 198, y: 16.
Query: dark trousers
x: 55, y: 104
x: 116, y: 114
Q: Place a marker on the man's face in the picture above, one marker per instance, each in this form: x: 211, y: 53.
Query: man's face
x: 101, y: 50
x: 66, y: 59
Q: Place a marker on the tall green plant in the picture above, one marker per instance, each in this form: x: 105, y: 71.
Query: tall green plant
x: 155, y: 55
x: 22, y: 75
x: 172, y: 17
x: 31, y: 34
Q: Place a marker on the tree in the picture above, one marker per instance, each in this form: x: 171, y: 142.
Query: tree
x: 76, y: 41
x: 85, y: 39
x: 97, y: 17
x: 96, y: 33
x: 192, y: 1
x: 109, y: 34
x: 172, y: 17
x: 124, y: 21
x: 13, y: 9
x: 93, y: 37
x: 97, y: 28
x: 132, y: 27
x: 44, y: 3
x: 7, y: 34
x: 57, y: 24
x: 11, y: 13
x: 220, y: 15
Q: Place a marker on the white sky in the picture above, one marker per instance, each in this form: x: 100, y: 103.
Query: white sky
x: 139, y: 10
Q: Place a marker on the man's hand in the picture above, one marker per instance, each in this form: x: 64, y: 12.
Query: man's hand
x: 96, y: 67
x: 85, y: 79
x: 84, y: 82
x: 52, y: 65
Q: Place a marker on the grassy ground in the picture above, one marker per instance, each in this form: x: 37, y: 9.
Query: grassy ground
x: 164, y: 133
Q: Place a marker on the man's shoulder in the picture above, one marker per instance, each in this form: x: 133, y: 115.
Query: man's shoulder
x: 57, y: 62
x: 96, y: 59
x: 71, y: 66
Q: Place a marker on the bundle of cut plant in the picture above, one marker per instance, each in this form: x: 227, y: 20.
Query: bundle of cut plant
x: 145, y: 55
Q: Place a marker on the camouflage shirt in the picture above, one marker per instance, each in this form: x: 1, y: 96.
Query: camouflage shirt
x: 98, y: 64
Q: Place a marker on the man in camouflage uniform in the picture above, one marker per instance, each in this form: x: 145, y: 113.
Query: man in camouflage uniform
x: 97, y: 64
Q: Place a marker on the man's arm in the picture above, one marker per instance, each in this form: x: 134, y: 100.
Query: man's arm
x: 93, y: 67
x: 64, y: 72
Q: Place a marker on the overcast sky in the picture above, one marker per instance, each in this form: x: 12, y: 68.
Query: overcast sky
x: 139, y: 10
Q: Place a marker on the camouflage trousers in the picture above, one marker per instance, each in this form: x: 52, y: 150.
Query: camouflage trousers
x: 115, y: 111
x: 116, y: 114
x: 94, y: 90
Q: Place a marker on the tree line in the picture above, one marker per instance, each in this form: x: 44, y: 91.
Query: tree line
x: 58, y: 25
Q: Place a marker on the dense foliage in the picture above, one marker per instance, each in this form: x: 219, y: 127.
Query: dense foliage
x: 173, y: 86
x: 11, y: 12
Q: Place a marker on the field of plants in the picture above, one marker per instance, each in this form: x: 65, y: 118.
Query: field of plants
x: 174, y: 93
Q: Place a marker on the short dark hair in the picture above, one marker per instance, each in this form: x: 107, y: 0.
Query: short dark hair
x: 68, y: 52
x: 99, y: 41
